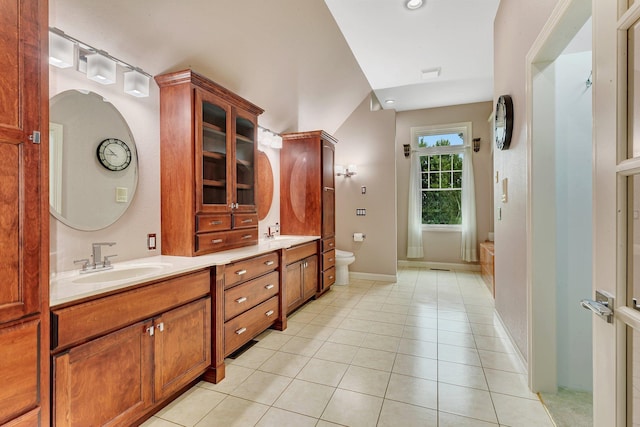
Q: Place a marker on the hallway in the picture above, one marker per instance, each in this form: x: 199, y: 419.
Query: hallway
x: 425, y: 351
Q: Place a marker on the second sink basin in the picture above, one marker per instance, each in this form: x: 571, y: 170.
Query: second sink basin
x: 125, y: 272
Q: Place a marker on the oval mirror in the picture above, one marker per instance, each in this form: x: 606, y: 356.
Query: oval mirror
x: 93, y: 163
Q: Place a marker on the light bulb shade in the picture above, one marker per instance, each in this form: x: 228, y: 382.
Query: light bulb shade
x: 276, y: 142
x: 136, y: 84
x: 101, y: 69
x: 352, y: 169
x: 339, y: 169
x: 61, y: 51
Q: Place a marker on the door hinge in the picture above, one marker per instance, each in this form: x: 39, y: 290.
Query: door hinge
x: 35, y: 137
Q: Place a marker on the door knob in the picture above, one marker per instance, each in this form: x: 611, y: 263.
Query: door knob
x: 602, y: 306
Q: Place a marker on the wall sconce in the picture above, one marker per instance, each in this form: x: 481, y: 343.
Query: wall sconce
x: 269, y: 138
x: 476, y: 145
x: 407, y: 150
x: 348, y: 172
x: 100, y: 66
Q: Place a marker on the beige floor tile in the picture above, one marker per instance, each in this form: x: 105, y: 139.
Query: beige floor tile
x: 234, y: 376
x: 374, y: 359
x: 420, y: 334
x: 365, y: 380
x: 450, y: 420
x: 454, y: 326
x: 456, y: 338
x: 234, y: 412
x: 422, y: 322
x: 488, y: 330
x: 353, y: 409
x: 323, y: 423
x: 465, y: 401
x: 497, y: 344
x: 191, y: 406
x: 287, y: 364
x: 280, y: 418
x: 293, y: 327
x: 456, y: 354
x: 336, y: 311
x: 459, y: 316
x: 302, y: 346
x: 327, y: 320
x: 158, y: 422
x: 396, y: 414
x: 273, y: 341
x: 301, y: 317
x: 501, y: 361
x: 316, y: 332
x: 349, y: 337
x: 323, y: 372
x: 262, y: 387
x: 389, y: 329
x: 305, y: 398
x: 412, y: 390
x: 252, y: 358
x: 316, y: 306
x: 462, y: 375
x: 418, y: 348
x: 381, y: 342
x: 336, y: 352
x: 510, y: 383
x: 420, y: 367
x: 368, y: 305
x: 355, y: 324
x: 479, y: 309
x: 516, y: 411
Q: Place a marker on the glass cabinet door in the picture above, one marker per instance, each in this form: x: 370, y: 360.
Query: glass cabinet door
x: 245, y: 162
x: 213, y: 152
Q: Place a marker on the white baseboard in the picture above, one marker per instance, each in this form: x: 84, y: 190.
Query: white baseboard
x: 371, y: 276
x: 513, y: 342
x: 439, y: 265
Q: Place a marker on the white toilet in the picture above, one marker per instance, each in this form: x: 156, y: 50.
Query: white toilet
x: 343, y: 259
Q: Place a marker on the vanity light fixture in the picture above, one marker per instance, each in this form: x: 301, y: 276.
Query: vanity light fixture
x: 348, y: 172
x: 100, y: 66
x: 269, y: 138
x: 432, y: 73
x: 61, y: 51
x: 414, y: 4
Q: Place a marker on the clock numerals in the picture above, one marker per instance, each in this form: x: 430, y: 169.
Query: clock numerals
x: 114, y: 154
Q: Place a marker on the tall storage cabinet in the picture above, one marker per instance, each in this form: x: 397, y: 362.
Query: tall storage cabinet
x: 208, y: 157
x: 307, y: 194
x: 24, y: 214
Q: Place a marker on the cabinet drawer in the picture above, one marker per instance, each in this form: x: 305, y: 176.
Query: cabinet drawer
x: 328, y: 277
x: 248, y: 269
x: 82, y: 321
x: 245, y: 220
x: 299, y: 252
x: 245, y: 296
x: 243, y: 328
x: 328, y: 244
x: 328, y: 259
x: 205, y: 223
x: 211, y: 242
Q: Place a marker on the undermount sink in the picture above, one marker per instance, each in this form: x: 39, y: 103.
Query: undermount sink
x: 119, y: 274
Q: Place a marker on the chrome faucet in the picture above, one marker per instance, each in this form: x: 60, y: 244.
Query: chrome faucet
x: 272, y: 230
x: 98, y: 263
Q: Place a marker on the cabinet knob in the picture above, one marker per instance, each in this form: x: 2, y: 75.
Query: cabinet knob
x: 241, y: 272
x: 241, y: 300
x: 269, y: 286
x: 241, y: 331
x: 160, y: 326
x: 269, y: 313
x: 149, y: 330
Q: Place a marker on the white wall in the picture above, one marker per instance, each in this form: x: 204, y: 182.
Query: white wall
x: 574, y: 219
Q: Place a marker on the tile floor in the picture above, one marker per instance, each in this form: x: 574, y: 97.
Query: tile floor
x: 424, y: 351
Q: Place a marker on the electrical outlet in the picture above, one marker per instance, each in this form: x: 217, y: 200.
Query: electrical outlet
x: 361, y: 212
x: 151, y: 241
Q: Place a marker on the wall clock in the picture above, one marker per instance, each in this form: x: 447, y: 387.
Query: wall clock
x: 114, y: 154
x: 503, y: 122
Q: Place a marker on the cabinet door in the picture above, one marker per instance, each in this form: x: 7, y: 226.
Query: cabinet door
x: 106, y: 381
x: 328, y: 191
x: 212, y: 153
x: 245, y: 155
x: 182, y: 346
x: 310, y: 276
x: 293, y: 285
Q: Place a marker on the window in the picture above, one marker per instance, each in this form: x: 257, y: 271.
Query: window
x: 441, y: 150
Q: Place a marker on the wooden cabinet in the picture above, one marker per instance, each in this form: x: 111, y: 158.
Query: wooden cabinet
x: 300, y: 282
x: 24, y: 213
x: 487, y: 266
x: 208, y: 158
x: 141, y: 345
x: 307, y: 194
x: 247, y: 301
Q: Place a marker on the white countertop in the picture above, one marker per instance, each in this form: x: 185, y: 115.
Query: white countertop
x: 64, y: 287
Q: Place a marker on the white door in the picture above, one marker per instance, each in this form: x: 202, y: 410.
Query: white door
x: 616, y: 353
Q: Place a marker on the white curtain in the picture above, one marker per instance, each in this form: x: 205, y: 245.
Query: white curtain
x: 469, y: 233
x: 414, y: 211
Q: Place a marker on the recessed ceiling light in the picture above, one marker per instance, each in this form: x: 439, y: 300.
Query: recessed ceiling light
x: 431, y: 73
x: 389, y: 101
x: 414, y: 4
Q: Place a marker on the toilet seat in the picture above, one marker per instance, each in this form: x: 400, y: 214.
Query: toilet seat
x: 343, y: 254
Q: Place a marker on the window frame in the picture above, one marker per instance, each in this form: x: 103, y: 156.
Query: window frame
x: 464, y: 128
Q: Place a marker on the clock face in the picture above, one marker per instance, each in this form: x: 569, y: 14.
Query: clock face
x: 114, y: 154
x: 503, y: 122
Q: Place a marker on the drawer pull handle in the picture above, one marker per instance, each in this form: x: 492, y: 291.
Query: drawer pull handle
x: 331, y: 244
x: 330, y: 277
x: 246, y: 236
x: 216, y: 241
x: 269, y: 262
x: 269, y: 313
x: 160, y: 326
x: 241, y: 331
x: 215, y: 223
x: 247, y: 221
x: 269, y: 286
x: 241, y: 272
x: 241, y: 300
x: 330, y: 259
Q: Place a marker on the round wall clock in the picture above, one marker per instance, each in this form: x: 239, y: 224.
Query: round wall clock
x: 114, y: 154
x: 503, y: 122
